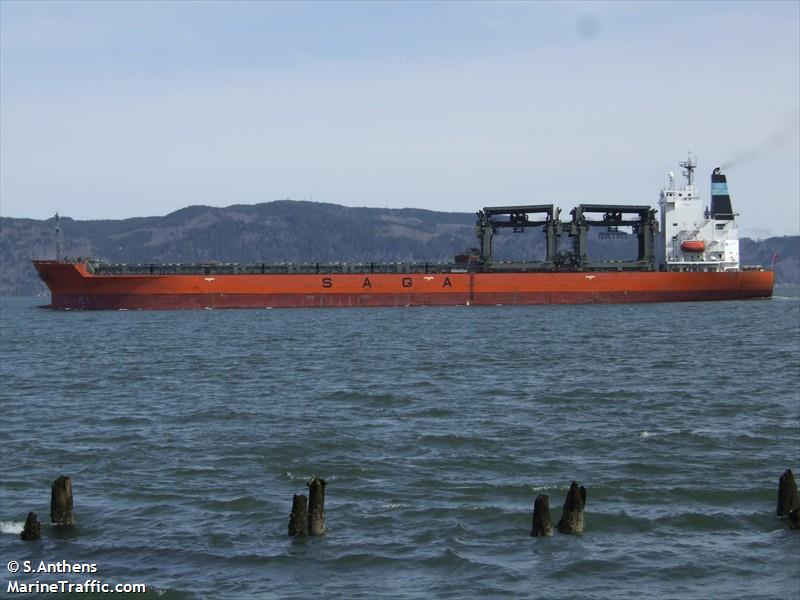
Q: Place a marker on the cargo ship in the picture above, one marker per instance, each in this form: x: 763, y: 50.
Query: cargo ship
x: 690, y: 254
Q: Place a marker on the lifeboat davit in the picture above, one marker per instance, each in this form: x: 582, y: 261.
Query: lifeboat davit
x: 693, y: 245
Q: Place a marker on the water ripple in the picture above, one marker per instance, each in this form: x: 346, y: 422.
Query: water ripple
x: 187, y: 433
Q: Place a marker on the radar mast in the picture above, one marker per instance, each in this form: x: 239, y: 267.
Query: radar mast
x: 689, y: 165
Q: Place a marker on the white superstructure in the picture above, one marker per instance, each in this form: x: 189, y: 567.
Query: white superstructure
x: 695, y: 237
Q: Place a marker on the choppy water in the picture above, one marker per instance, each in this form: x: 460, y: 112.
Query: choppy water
x: 186, y: 434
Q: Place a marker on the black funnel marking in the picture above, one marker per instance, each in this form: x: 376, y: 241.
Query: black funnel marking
x: 720, y: 199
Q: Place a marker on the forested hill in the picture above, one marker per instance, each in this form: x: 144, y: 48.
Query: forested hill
x: 290, y: 231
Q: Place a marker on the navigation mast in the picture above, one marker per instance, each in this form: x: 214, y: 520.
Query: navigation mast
x: 689, y: 166
x: 58, y: 237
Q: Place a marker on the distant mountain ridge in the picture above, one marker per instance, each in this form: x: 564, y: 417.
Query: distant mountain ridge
x: 294, y: 231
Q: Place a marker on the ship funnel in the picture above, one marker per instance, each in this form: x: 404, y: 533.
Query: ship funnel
x: 720, y: 199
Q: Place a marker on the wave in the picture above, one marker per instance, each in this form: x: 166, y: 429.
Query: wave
x: 12, y: 527
x: 395, y: 505
x: 661, y: 432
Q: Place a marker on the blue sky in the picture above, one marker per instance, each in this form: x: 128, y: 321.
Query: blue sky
x: 115, y: 109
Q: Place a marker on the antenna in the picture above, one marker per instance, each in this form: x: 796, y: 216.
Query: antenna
x: 689, y: 165
x: 58, y: 237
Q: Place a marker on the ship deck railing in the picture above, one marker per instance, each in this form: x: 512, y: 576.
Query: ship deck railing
x: 100, y: 268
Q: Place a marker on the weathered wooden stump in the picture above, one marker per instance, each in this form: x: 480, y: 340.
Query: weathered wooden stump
x: 61, y: 502
x: 572, y: 513
x: 542, y: 525
x: 33, y: 528
x: 298, y: 520
x: 316, y: 506
x: 788, y: 499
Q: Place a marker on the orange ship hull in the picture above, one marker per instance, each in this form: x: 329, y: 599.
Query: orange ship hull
x: 72, y: 286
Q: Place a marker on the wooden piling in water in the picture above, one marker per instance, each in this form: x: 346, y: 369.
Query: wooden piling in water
x: 298, y: 520
x: 788, y: 499
x: 33, y: 528
x: 542, y: 525
x: 316, y: 506
x: 572, y: 513
x: 61, y: 502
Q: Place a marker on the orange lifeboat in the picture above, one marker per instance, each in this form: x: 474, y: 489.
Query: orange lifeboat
x: 693, y: 245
